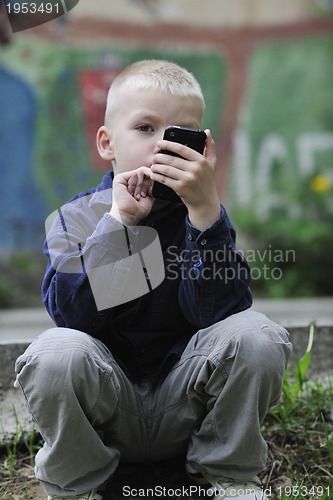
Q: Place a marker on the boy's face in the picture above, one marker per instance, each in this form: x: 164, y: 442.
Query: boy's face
x: 139, y: 121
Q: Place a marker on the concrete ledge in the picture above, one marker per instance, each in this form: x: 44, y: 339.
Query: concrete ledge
x: 321, y: 361
x: 23, y: 325
x: 298, y: 312
x: 19, y: 327
x: 296, y: 316
x: 322, y: 351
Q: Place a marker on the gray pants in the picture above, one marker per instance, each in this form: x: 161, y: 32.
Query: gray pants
x: 209, y: 406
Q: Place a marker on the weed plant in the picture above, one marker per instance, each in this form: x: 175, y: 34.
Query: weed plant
x: 299, y: 431
x: 17, y: 463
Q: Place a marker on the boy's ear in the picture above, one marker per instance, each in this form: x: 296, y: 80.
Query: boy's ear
x: 104, y: 143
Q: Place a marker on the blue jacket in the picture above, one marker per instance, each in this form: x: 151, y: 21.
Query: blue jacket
x: 206, y: 280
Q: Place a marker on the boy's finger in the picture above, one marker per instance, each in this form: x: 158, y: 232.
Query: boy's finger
x: 132, y: 182
x: 174, y: 147
x: 210, y: 150
x: 142, y: 186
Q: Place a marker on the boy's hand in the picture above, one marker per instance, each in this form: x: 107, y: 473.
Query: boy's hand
x: 192, y: 177
x: 132, y: 198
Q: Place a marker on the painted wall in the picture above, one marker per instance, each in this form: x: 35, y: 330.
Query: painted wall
x: 52, y: 102
x: 219, y: 13
x: 285, y: 128
x: 269, y: 105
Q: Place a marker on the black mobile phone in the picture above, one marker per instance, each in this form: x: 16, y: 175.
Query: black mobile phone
x: 194, y: 139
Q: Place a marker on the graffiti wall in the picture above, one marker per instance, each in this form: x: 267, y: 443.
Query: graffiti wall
x: 282, y: 167
x: 52, y: 101
x: 281, y: 130
x: 285, y: 134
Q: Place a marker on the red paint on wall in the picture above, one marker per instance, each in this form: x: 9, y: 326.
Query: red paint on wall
x: 94, y: 86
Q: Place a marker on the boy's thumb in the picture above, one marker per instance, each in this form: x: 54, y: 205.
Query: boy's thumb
x: 210, y: 151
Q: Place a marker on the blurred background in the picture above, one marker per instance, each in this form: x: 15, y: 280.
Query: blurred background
x: 266, y: 69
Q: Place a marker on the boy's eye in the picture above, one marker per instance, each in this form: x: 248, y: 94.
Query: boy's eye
x: 144, y: 127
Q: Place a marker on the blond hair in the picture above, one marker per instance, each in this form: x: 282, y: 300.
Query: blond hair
x: 151, y: 74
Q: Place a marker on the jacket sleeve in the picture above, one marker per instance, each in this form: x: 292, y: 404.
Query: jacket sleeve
x: 215, y: 275
x: 93, y: 266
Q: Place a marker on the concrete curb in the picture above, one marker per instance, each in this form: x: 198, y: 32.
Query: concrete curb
x: 19, y: 327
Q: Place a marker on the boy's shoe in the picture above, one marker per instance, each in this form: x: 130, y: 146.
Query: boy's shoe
x: 91, y: 495
x: 248, y: 490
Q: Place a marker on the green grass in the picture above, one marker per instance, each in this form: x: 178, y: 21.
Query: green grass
x: 299, y: 432
x: 17, y: 463
x: 300, y: 438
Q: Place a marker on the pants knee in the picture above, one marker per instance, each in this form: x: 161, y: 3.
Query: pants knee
x: 61, y: 364
x: 270, y: 341
x: 255, y: 357
x: 53, y: 351
x: 259, y: 344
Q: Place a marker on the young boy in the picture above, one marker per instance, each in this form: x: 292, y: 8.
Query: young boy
x: 181, y: 366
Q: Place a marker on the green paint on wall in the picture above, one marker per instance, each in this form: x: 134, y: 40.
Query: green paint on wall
x: 63, y: 164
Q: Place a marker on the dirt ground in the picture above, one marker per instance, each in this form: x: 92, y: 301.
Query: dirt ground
x: 132, y: 482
